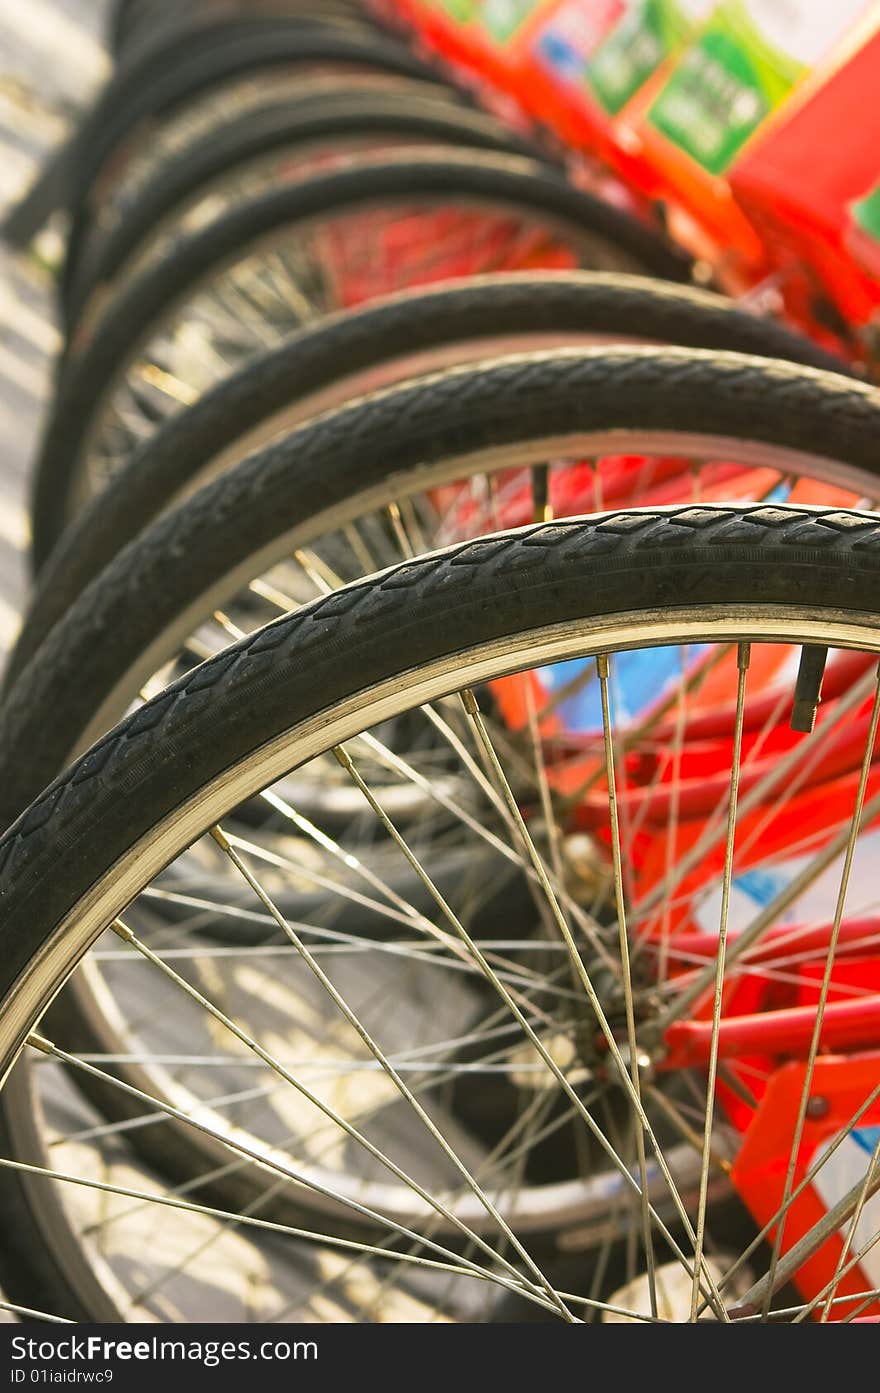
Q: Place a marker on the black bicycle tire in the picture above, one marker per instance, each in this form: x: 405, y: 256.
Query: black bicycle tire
x: 313, y: 118
x: 131, y: 22
x: 192, y: 549
x: 152, y: 83
x: 603, y: 303
x: 483, y: 177
x: 149, y: 81
x: 434, y: 607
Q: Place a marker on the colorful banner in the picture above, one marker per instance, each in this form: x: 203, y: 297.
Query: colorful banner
x: 745, y: 62
x: 866, y: 214
x: 650, y: 33
x: 502, y: 18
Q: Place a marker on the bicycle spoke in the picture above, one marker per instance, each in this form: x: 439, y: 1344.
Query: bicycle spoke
x: 602, y: 669
x: 29, y: 1314
x: 396, y: 1078
x: 232, y: 1143
x: 851, y: 1231
x: 283, y: 1072
x: 462, y: 1268
x: 472, y: 709
x: 743, y: 658
x: 849, y: 853
x: 506, y: 996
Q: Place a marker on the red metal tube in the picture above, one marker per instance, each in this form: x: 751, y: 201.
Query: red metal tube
x: 847, y: 1025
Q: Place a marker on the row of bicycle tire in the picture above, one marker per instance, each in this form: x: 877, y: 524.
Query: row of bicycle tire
x: 439, y: 753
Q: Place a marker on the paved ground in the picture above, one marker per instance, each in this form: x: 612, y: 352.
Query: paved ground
x: 51, y: 59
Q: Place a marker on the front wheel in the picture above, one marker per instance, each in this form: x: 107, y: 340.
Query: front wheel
x: 672, y: 1025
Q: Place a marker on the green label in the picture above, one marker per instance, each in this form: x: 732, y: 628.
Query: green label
x: 866, y: 213
x: 462, y: 10
x: 649, y: 34
x: 502, y: 18
x: 725, y: 86
x: 612, y: 47
x: 574, y: 33
x: 745, y: 62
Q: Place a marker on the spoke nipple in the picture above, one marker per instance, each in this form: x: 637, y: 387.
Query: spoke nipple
x: 743, y: 656
x: 342, y: 757
x: 470, y: 702
x: 39, y: 1042
x: 602, y: 665
x: 122, y: 931
x: 817, y: 1106
x: 220, y: 838
x: 542, y: 510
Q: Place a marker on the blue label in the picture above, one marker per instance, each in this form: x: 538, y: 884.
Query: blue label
x: 867, y: 1138
x: 561, y: 57
x: 639, y: 679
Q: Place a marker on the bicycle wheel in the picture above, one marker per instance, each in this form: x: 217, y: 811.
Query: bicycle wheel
x: 163, y: 83
x: 287, y: 257
x: 177, y: 67
x: 258, y: 150
x: 345, y: 356
x: 773, y: 431
x: 655, y: 402
x: 133, y: 22
x: 621, y: 1043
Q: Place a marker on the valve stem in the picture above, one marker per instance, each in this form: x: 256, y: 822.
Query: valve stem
x: 808, y: 687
